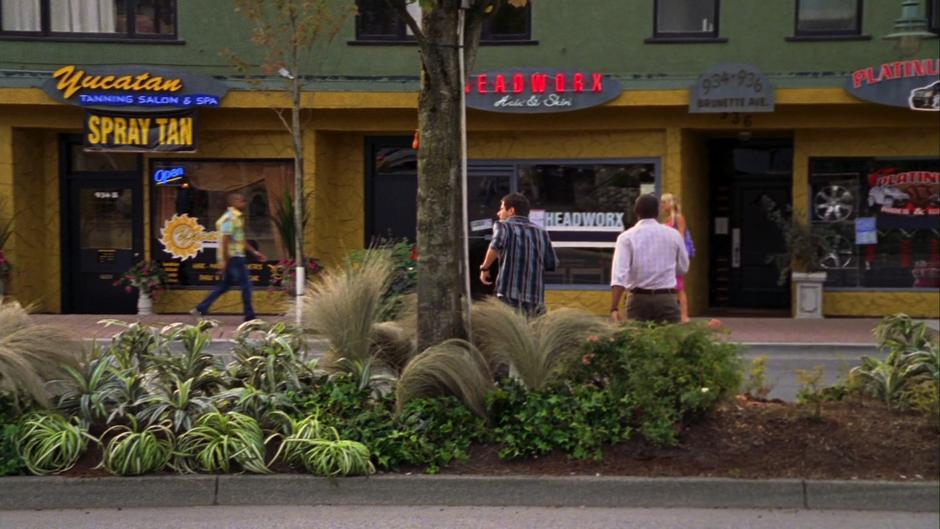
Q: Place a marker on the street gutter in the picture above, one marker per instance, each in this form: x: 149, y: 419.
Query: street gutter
x: 44, y: 493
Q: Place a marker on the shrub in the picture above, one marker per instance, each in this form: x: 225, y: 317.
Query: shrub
x: 578, y: 421
x: 10, y: 461
x: 663, y: 374
x: 337, y: 457
x: 811, y: 390
x: 756, y: 384
x: 395, y: 300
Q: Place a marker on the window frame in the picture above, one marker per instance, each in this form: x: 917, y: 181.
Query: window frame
x: 402, y: 37
x: 696, y: 36
x: 829, y: 34
x: 130, y: 6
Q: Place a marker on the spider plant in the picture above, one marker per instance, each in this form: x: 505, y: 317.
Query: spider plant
x: 296, y: 434
x: 223, y: 443
x: 176, y: 402
x: 336, y: 457
x: 132, y: 452
x: 91, y: 389
x: 50, y: 443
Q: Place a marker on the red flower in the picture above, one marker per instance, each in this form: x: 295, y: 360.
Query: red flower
x: 714, y: 323
x: 128, y: 289
x: 586, y: 359
x: 414, y: 253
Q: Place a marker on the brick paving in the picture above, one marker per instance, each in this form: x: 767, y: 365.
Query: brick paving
x: 747, y: 330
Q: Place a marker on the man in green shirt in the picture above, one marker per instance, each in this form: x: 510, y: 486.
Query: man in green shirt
x: 231, y: 255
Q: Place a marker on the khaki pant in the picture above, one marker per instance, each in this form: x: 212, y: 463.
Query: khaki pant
x: 659, y: 308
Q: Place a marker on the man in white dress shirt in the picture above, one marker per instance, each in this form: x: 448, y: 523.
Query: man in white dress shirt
x: 646, y: 260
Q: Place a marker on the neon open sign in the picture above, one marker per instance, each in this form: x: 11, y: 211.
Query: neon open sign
x: 168, y: 175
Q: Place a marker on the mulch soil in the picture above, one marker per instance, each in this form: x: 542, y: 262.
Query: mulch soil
x: 754, y: 439
x: 857, y: 439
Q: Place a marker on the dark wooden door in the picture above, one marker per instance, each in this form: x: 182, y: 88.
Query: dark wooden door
x: 104, y: 240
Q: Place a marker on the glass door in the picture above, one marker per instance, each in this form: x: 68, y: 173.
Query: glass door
x: 104, y: 240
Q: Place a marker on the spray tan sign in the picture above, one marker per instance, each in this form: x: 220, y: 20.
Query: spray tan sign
x: 174, y: 132
x: 183, y: 237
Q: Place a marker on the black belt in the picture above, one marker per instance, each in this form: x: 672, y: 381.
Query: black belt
x: 654, y: 291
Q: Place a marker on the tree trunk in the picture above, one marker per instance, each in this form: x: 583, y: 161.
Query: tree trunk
x: 440, y: 266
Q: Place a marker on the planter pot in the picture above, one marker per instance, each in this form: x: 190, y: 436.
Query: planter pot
x: 144, y: 304
x: 809, y: 292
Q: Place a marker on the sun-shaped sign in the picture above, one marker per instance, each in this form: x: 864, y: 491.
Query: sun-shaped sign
x: 182, y: 236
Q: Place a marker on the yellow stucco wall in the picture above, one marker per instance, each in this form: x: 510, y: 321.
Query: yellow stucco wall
x: 36, y: 231
x: 860, y: 142
x: 648, y: 125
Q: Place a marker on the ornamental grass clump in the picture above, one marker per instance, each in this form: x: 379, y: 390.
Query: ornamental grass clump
x: 225, y: 443
x: 345, y: 304
x: 133, y: 452
x: 30, y: 355
x: 50, y: 443
x: 536, y: 348
x: 454, y: 367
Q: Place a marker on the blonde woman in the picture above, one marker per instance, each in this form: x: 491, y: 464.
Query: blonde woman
x: 671, y: 215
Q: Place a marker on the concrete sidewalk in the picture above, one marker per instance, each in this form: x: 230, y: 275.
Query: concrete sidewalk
x: 834, y: 331
x: 20, y: 493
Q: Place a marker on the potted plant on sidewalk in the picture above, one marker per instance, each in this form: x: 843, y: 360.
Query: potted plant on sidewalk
x: 149, y: 278
x: 805, y: 246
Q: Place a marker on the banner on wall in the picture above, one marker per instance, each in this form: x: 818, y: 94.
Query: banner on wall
x: 905, y: 199
x: 166, y: 132
x: 912, y: 84
x: 539, y: 90
x: 133, y: 88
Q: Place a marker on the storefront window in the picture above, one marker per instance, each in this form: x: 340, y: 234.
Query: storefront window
x: 584, y: 207
x: 886, y: 213
x: 377, y: 20
x: 188, y: 198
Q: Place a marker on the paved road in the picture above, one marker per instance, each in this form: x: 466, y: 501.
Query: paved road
x: 359, y: 517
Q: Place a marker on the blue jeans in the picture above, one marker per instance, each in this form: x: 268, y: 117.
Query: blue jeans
x: 234, y: 275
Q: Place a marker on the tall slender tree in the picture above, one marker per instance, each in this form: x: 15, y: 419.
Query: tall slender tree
x: 441, y: 259
x: 287, y: 32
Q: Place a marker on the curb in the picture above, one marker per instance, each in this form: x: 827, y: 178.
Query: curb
x: 25, y: 493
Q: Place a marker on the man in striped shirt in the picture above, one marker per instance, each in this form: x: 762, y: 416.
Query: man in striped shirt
x: 647, y: 259
x: 524, y: 251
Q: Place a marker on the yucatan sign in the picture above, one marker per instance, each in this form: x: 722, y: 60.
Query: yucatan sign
x: 166, y: 132
x: 539, y: 90
x: 133, y: 88
x: 911, y: 84
x: 731, y: 88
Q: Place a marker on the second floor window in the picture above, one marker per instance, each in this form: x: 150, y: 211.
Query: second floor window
x: 828, y: 17
x: 933, y: 15
x: 89, y: 18
x: 376, y: 21
x: 686, y: 19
